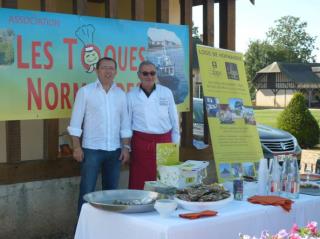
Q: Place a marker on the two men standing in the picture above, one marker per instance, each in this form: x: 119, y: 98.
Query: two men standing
x: 105, y: 120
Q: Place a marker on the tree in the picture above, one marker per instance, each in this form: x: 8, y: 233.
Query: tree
x: 259, y: 55
x: 298, y: 120
x: 256, y: 58
x: 288, y: 41
x: 290, y: 33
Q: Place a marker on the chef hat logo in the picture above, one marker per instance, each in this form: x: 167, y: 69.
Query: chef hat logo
x: 90, y: 54
x: 85, y: 34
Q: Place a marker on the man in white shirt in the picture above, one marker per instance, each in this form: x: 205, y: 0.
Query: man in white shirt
x: 154, y: 119
x: 100, y: 115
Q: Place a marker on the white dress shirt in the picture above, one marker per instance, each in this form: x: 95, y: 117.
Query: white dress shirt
x: 156, y: 114
x: 101, y: 116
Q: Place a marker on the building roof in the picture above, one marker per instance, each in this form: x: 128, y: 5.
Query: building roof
x: 272, y: 68
x: 299, y: 73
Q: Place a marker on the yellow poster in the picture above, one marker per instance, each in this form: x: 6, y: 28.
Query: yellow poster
x: 167, y: 154
x: 232, y: 125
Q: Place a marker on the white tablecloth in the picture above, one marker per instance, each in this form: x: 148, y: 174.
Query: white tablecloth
x: 236, y: 217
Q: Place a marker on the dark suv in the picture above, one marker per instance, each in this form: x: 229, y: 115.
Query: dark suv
x: 273, y: 141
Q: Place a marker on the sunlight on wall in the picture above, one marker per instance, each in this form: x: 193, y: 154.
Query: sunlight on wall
x: 29, y: 5
x: 31, y: 139
x: 267, y: 98
x: 96, y: 9
x: 174, y: 11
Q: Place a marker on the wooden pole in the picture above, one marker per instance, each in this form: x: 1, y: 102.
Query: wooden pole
x: 187, y: 117
x: 227, y: 24
x: 13, y: 133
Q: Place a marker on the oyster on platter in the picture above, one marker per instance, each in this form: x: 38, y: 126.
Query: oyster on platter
x: 203, y: 193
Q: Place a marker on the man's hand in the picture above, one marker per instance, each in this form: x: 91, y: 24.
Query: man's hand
x: 124, y: 156
x: 78, y: 154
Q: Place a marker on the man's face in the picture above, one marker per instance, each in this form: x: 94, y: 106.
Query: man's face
x: 107, y: 71
x: 147, y: 76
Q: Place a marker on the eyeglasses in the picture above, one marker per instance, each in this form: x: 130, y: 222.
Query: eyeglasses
x: 146, y: 73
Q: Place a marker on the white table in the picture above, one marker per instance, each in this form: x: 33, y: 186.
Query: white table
x: 236, y: 217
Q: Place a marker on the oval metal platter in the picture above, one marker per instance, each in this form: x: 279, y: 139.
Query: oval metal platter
x: 115, y: 200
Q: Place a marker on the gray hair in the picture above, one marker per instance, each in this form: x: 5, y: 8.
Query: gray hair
x: 146, y: 63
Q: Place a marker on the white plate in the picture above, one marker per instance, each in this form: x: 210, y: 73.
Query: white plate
x: 200, y: 206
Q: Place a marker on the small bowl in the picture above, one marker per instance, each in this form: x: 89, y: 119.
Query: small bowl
x: 165, y: 207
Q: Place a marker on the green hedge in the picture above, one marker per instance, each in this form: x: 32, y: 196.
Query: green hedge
x: 298, y: 120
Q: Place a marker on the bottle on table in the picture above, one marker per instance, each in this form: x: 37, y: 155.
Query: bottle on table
x: 274, y: 177
x: 290, y: 177
x: 286, y: 176
x: 295, y: 179
x: 263, y: 177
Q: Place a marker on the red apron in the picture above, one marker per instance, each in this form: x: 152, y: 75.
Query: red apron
x: 143, y: 165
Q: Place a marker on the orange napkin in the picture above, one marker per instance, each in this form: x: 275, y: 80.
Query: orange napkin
x: 195, y: 215
x: 285, y: 203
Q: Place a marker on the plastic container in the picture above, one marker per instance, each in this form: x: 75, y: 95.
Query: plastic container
x: 189, y: 173
x: 159, y: 187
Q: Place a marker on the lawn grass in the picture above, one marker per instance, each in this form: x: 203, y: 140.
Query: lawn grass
x: 269, y: 116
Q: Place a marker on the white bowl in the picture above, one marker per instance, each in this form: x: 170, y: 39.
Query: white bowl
x: 165, y: 207
x: 200, y: 206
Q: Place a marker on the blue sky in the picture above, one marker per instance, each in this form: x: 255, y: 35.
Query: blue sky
x: 253, y: 21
